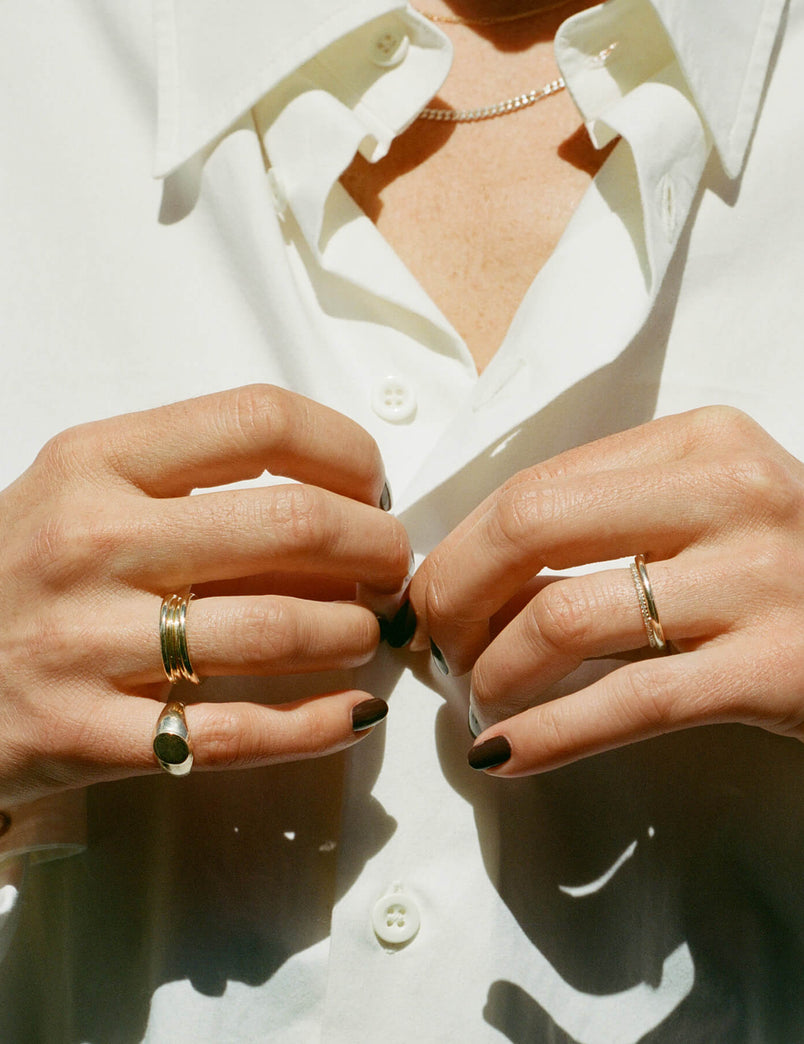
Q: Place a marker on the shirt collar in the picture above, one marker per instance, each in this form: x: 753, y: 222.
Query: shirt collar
x: 217, y: 59
x: 722, y: 49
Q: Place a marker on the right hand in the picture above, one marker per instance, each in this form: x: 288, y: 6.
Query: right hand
x: 101, y: 527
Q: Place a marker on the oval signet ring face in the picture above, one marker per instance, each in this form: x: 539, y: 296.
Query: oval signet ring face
x: 171, y: 745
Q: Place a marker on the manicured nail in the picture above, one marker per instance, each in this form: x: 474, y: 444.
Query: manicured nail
x: 398, y: 631
x: 474, y: 725
x: 385, y: 498
x: 368, y: 713
x: 491, y: 753
x: 438, y: 657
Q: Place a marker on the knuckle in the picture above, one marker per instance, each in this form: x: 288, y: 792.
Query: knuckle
x: 259, y: 409
x: 223, y: 741
x: 366, y: 636
x: 557, y: 735
x: 725, y: 425
x: 483, y: 690
x: 773, y: 566
x: 302, y: 516
x: 65, y: 645
x: 392, y: 550
x: 269, y: 635
x: 648, y: 694
x: 64, y: 455
x: 67, y: 544
x: 542, y: 510
x: 519, y: 510
x: 561, y: 616
x: 244, y: 738
x: 439, y: 605
x: 400, y: 550
x: 762, y: 484
x: 318, y: 738
x: 544, y: 472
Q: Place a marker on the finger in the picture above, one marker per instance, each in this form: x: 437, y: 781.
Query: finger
x: 665, y: 440
x: 570, y: 522
x: 596, y: 615
x: 269, y: 635
x: 287, y: 528
x: 657, y: 444
x: 638, y: 701
x: 117, y: 739
x: 243, y: 735
x: 235, y: 435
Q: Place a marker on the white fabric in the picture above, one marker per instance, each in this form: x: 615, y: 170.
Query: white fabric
x: 650, y: 894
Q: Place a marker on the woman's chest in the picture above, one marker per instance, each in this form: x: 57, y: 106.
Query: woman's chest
x: 475, y: 210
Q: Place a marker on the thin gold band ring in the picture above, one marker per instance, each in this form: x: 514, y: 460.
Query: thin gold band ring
x: 647, y: 605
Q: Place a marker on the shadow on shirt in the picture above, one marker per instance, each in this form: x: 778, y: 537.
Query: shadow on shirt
x: 694, y: 839
x: 214, y: 878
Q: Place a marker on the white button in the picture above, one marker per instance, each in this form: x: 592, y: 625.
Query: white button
x: 393, y: 399
x: 395, y: 917
x: 389, y: 48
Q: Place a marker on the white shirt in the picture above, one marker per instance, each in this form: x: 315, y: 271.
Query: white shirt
x: 650, y: 891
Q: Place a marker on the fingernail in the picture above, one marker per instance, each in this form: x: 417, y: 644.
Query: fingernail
x: 385, y: 498
x: 398, y: 631
x: 368, y: 713
x: 474, y: 725
x: 491, y: 753
x: 438, y: 657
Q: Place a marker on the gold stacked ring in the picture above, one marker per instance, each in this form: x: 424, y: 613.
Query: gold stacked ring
x: 647, y: 606
x: 173, y: 639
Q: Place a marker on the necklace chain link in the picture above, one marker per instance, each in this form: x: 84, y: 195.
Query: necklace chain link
x: 488, y: 112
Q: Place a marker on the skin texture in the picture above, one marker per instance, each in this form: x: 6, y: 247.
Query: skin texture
x: 102, y: 526
x: 717, y: 507
x: 500, y: 193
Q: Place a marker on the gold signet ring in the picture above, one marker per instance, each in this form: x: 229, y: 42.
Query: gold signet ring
x: 172, y: 746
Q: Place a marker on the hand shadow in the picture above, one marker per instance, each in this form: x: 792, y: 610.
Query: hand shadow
x: 214, y: 878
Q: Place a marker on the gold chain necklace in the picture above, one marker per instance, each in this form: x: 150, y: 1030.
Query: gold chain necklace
x: 488, y: 112
x: 507, y: 105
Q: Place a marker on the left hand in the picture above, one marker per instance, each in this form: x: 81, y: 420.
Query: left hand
x: 717, y: 508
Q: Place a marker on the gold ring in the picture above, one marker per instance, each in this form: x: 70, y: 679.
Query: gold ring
x: 172, y: 746
x: 647, y: 606
x: 173, y: 639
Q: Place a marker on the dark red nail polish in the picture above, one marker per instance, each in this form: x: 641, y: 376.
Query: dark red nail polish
x: 491, y: 753
x: 385, y: 498
x: 368, y: 713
